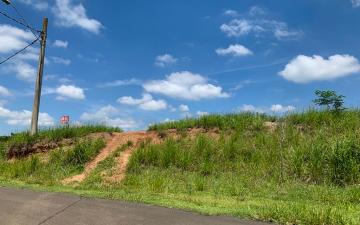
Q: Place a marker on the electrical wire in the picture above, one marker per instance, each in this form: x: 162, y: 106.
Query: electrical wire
x: 23, y: 19
x: 18, y: 22
x: 21, y: 50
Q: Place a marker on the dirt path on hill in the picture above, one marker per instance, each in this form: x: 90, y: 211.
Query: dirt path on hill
x: 136, y: 138
x: 117, y: 140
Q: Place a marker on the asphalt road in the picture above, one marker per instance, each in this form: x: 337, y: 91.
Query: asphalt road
x: 23, y: 207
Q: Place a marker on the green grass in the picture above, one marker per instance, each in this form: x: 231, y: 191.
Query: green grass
x: 307, y: 171
x: 58, y: 165
x: 228, y: 121
x: 51, y: 135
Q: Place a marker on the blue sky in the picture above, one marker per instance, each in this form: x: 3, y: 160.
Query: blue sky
x: 133, y: 63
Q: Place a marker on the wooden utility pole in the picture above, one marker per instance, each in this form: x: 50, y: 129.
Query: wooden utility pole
x: 36, y: 106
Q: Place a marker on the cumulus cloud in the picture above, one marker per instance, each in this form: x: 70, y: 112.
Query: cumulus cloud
x: 109, y: 115
x: 184, y: 108
x: 68, y: 14
x: 355, y: 3
x: 21, y: 66
x: 185, y: 85
x: 66, y: 92
x: 4, y: 92
x: 23, y: 70
x: 276, y: 108
x: 60, y: 44
x: 145, y: 103
x: 250, y: 108
x: 201, y: 113
x: 14, y: 38
x: 23, y: 118
x: 62, y: 61
x: 282, y: 109
x: 305, y: 69
x: 37, y: 4
x: 70, y: 91
x: 235, y: 50
x: 165, y: 60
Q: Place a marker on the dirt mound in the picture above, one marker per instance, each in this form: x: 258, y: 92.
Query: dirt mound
x: 26, y: 149
x: 21, y: 150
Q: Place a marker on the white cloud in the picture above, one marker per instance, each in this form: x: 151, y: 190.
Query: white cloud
x: 60, y: 44
x: 185, y: 85
x: 145, y: 103
x: 59, y: 60
x: 256, y: 11
x: 165, y: 60
x: 23, y: 118
x: 256, y: 22
x: 119, y: 83
x: 250, y: 108
x: 282, y: 109
x: 37, y: 4
x: 355, y: 3
x: 230, y: 12
x: 201, y: 113
x: 109, y: 115
x: 70, y: 92
x: 276, y: 108
x: 237, y: 28
x: 305, y: 69
x: 243, y: 27
x: 69, y: 15
x: 14, y: 38
x: 235, y: 50
x: 184, y: 108
x: 23, y: 70
x: 242, y: 84
x: 4, y: 92
x: 59, y: 78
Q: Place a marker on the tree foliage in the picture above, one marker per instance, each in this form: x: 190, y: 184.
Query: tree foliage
x: 330, y: 99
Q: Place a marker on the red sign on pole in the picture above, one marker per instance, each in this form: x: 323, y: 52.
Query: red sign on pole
x: 65, y: 120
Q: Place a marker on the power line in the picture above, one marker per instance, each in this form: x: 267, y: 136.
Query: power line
x: 22, y: 18
x: 21, y: 50
x: 19, y: 22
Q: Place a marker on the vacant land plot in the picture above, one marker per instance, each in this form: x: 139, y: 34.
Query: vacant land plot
x: 299, y: 169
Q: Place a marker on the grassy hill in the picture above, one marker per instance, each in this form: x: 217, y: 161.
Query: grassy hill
x: 303, y: 168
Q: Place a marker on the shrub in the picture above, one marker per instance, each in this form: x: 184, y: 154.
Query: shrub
x: 83, y: 152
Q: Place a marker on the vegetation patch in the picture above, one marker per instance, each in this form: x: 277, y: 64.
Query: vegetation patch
x: 301, y: 168
x: 23, y: 144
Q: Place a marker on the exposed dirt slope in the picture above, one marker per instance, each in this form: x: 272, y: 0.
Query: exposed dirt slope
x: 117, y: 140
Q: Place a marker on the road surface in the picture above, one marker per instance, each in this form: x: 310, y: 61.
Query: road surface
x: 23, y: 207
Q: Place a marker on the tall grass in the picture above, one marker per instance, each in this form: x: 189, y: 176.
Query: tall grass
x: 59, y: 133
x: 20, y: 144
x: 228, y: 121
x: 315, y: 146
x: 50, y: 170
x: 306, y: 171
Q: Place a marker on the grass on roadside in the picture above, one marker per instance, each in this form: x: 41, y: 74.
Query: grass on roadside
x: 51, y: 135
x: 59, y: 164
x: 306, y: 171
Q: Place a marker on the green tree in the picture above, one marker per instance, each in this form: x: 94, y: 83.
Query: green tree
x: 330, y: 99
